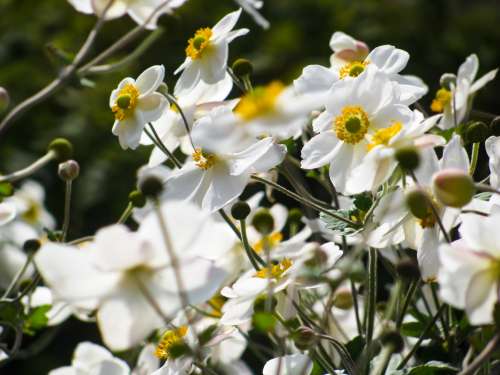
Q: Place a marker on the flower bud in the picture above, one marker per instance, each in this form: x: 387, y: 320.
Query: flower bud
x: 240, y: 210
x: 263, y: 221
x: 447, y: 80
x: 304, y: 338
x: 343, y: 299
x: 294, y: 215
x: 137, y: 199
x: 69, y: 170
x: 407, y: 269
x: 453, y: 187
x: 419, y: 203
x: 393, y: 339
x: 495, y: 126
x: 242, y: 68
x: 4, y: 99
x: 32, y: 245
x: 408, y: 158
x: 6, y: 189
x: 151, y: 186
x: 62, y: 148
x: 476, y: 132
x: 163, y: 88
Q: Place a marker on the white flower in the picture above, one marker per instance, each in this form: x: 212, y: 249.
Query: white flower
x: 144, y: 12
x: 221, y: 164
x: 455, y: 101
x: 492, y: 146
x: 357, y: 112
x: 135, y: 103
x: 207, y: 53
x: 41, y: 296
x: 293, y: 364
x: 470, y: 268
x: 92, y: 359
x: 7, y: 212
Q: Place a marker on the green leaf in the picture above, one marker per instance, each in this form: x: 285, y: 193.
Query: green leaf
x: 412, y: 329
x: 363, y: 202
x: 355, y: 347
x: 6, y: 189
x: 432, y: 368
x: 10, y: 311
x: 341, y: 226
x: 36, y: 319
x: 264, y: 322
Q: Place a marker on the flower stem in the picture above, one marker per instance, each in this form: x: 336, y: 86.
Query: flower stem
x: 247, y: 247
x: 474, y: 159
x: 67, y: 210
x: 29, y: 170
x: 126, y: 214
x: 372, y: 294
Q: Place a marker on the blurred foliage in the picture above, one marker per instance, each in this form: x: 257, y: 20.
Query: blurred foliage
x: 439, y: 34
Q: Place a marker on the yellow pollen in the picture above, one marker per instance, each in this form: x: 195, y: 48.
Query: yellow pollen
x: 272, y: 240
x: 202, y: 160
x: 199, y: 43
x: 260, y: 101
x: 125, y: 102
x: 442, y: 99
x: 216, y: 303
x: 171, y: 338
x: 352, y: 124
x: 383, y: 136
x: 352, y: 69
x: 275, y: 271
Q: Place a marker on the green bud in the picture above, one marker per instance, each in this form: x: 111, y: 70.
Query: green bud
x: 69, y: 170
x: 419, y: 203
x: 6, y: 189
x: 407, y: 269
x: 151, y: 186
x: 137, y: 199
x: 453, y: 187
x: 447, y: 80
x: 294, y: 215
x: 304, y: 338
x: 32, y: 245
x: 4, y: 99
x: 495, y: 126
x: 476, y: 132
x: 263, y: 221
x: 393, y: 339
x: 163, y: 88
x: 408, y: 158
x: 240, y: 210
x: 62, y: 148
x: 242, y: 67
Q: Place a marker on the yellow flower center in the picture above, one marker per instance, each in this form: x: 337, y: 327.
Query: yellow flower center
x: 352, y: 124
x: 275, y: 271
x: 171, y: 338
x: 271, y: 241
x: 199, y: 43
x: 383, y: 136
x: 442, y: 99
x: 203, y: 160
x: 353, y: 69
x: 259, y: 102
x: 33, y: 213
x: 125, y: 102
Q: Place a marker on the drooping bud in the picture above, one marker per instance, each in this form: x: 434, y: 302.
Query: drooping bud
x: 151, y: 186
x: 408, y: 158
x: 495, y: 126
x: 304, y: 338
x: 4, y: 99
x: 263, y: 221
x: 30, y: 246
x: 419, y: 203
x: 408, y: 269
x: 240, y: 210
x: 242, y: 68
x: 476, y: 132
x: 69, y: 170
x: 447, y: 80
x: 137, y: 199
x: 453, y: 187
x: 393, y: 339
x: 62, y: 148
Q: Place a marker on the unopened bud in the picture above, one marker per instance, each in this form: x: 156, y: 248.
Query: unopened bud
x: 294, y: 215
x: 419, y: 203
x: 31, y: 246
x: 408, y: 269
x: 476, y: 132
x: 453, y: 187
x: 69, y: 170
x: 393, y: 339
x: 4, y: 99
x: 408, y: 158
x: 304, y: 338
x: 447, y: 80
x: 163, y: 88
x: 62, y: 148
x: 151, y: 186
x: 137, y: 199
x: 495, y: 126
x: 240, y: 210
x: 263, y: 221
x: 343, y: 299
x: 242, y: 68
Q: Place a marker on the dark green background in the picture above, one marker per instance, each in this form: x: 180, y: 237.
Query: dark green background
x: 438, y: 34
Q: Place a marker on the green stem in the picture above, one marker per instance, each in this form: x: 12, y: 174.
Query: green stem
x: 408, y: 298
x: 474, y: 158
x: 155, y: 138
x: 126, y: 214
x: 246, y: 245
x: 67, y: 211
x: 372, y: 295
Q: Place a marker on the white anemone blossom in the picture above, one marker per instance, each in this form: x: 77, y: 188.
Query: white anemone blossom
x: 7, y: 212
x: 207, y: 52
x: 470, y: 268
x: 292, y: 364
x: 143, y: 12
x: 120, y: 272
x: 360, y: 114
x: 135, y: 103
x: 221, y: 164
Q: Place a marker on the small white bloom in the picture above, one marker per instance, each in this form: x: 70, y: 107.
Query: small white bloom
x: 492, y: 146
x: 7, y: 212
x: 135, y: 103
x: 293, y: 364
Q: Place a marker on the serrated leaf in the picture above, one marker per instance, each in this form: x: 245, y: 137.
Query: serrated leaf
x: 338, y: 225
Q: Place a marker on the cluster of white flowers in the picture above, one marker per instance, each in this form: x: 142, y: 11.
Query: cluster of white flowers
x: 204, y: 269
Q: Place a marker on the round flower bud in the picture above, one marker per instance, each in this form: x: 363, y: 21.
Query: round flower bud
x: 151, y: 186
x: 495, y: 126
x: 294, y: 215
x: 453, y: 187
x: 477, y: 132
x: 69, y: 170
x: 163, y: 88
x: 304, y: 338
x: 263, y: 221
x: 447, y: 80
x: 240, y: 210
x: 32, y: 245
x: 419, y: 203
x: 242, y: 67
x: 408, y: 158
x: 137, y: 199
x: 6, y: 189
x: 4, y: 99
x: 393, y: 339
x: 62, y: 148
x: 407, y: 269
x: 343, y: 299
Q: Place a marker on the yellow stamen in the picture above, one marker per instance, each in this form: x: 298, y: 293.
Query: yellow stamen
x: 260, y: 101
x: 274, y: 271
x: 170, y: 339
x: 216, y: 303
x: 272, y: 240
x: 442, y: 99
x: 353, y: 69
x: 125, y: 102
x: 383, y: 136
x: 352, y: 124
x: 198, y: 44
x: 203, y: 160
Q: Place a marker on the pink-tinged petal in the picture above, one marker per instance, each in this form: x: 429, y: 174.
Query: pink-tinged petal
x: 226, y: 24
x: 150, y: 79
x: 389, y: 59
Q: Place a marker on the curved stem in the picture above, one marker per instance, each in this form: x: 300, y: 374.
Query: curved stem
x: 248, y: 249
x: 474, y: 159
x: 29, y: 170
x: 482, y: 357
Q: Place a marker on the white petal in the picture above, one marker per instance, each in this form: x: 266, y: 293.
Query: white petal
x: 479, y: 84
x: 150, y: 79
x: 236, y: 34
x: 315, y: 79
x: 481, y: 233
x: 224, y: 188
x: 389, y: 59
x: 243, y: 161
x: 481, y: 296
x: 340, y: 41
x: 213, y: 64
x: 226, y: 24
x: 427, y: 254
x: 189, y: 183
x: 455, y: 156
x: 190, y: 76
x: 320, y: 150
x: 468, y: 69
x: 88, y: 354
x: 7, y: 212
x: 152, y: 106
x: 294, y: 364
x: 84, y: 6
